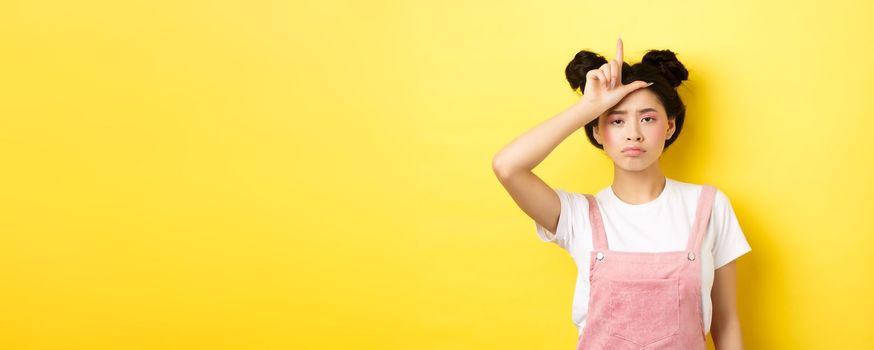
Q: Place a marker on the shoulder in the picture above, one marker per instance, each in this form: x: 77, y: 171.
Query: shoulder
x: 572, y: 220
x: 685, y: 188
x: 577, y: 200
x: 575, y: 207
x: 693, y: 190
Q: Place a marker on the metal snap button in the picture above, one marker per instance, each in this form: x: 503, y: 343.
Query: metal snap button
x: 599, y: 256
x: 691, y: 256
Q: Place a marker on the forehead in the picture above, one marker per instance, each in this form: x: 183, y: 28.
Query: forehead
x: 639, y: 99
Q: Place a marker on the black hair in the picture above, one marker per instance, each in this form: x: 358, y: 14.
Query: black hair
x: 660, y: 67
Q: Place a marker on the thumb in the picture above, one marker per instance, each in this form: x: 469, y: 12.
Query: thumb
x: 637, y: 84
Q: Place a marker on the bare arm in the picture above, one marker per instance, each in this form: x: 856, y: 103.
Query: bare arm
x: 528, y: 150
x: 513, y: 165
x: 726, y: 330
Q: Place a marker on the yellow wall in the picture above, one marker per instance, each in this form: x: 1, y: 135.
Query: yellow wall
x: 290, y: 175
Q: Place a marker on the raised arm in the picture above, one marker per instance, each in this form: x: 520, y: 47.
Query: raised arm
x: 514, y: 163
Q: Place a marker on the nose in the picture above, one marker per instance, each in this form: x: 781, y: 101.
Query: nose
x: 634, y: 134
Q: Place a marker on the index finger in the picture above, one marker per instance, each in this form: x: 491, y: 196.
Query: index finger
x: 619, y: 50
x: 618, y: 60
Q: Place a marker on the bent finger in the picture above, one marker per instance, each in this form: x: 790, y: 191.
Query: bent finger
x: 606, y: 69
x: 592, y: 75
x: 602, y: 79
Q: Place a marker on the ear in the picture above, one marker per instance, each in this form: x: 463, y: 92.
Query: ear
x: 671, y: 128
x: 596, y: 133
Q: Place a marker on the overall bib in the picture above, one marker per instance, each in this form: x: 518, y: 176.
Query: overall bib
x: 646, y: 300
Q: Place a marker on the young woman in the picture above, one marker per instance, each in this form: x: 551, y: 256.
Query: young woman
x: 655, y: 256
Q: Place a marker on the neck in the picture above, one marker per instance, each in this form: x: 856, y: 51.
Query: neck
x: 638, y: 187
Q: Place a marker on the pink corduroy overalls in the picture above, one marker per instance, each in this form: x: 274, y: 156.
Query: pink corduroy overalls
x: 646, y: 300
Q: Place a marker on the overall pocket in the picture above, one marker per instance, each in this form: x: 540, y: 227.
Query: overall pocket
x: 644, y: 311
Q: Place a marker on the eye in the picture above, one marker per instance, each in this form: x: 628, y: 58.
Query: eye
x: 649, y: 118
x: 617, y: 120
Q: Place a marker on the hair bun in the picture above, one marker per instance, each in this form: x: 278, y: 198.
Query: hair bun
x: 583, y: 62
x: 666, y: 61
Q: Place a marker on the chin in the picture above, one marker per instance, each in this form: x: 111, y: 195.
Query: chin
x: 633, y: 164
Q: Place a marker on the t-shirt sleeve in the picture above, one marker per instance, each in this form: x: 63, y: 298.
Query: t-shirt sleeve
x: 564, y: 232
x: 730, y: 241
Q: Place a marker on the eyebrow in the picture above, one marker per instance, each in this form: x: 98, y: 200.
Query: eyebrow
x: 622, y: 111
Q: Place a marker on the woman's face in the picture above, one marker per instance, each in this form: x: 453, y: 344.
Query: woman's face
x: 639, y: 120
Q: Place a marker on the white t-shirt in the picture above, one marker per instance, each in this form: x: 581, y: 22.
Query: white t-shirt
x: 661, y: 225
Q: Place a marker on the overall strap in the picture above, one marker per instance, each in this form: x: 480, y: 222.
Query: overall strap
x: 599, y: 238
x: 702, y: 217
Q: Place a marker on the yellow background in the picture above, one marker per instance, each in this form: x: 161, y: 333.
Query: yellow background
x: 317, y: 175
